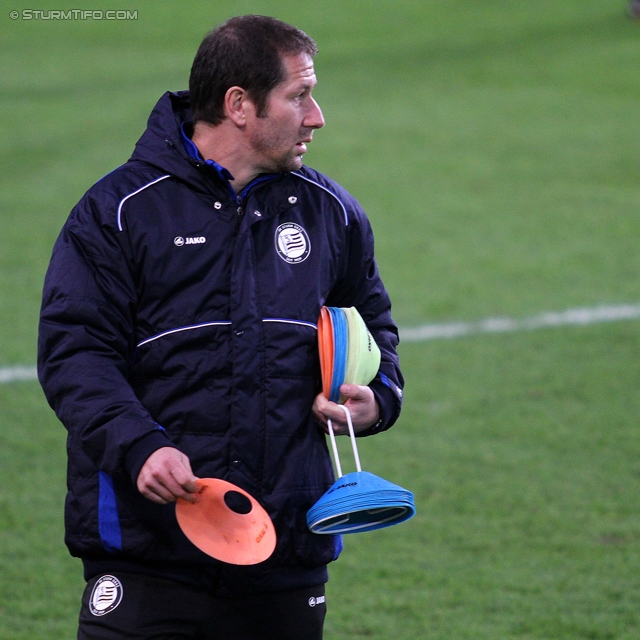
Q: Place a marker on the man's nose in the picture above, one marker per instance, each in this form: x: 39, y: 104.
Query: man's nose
x: 314, y: 118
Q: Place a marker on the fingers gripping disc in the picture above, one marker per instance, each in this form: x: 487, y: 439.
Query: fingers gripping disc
x: 227, y: 523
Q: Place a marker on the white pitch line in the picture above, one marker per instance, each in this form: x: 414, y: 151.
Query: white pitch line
x: 426, y: 332
x: 14, y: 374
x: 507, y: 325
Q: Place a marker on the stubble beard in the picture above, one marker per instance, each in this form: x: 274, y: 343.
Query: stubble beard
x: 283, y: 162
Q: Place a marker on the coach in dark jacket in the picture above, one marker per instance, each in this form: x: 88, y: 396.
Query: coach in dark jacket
x: 178, y: 340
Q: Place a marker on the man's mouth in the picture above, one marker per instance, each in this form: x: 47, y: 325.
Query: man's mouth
x: 302, y: 145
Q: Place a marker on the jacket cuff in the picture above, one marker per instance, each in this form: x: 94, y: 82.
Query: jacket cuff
x: 389, y: 404
x: 142, y: 449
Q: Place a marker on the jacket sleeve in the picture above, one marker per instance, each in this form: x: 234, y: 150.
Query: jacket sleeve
x: 86, y: 342
x: 360, y: 286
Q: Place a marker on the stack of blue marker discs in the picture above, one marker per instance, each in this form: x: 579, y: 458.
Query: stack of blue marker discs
x: 360, y: 501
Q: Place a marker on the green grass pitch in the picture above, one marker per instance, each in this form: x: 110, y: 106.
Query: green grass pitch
x: 495, y: 145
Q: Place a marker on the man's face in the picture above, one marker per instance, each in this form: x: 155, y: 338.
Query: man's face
x: 279, y: 138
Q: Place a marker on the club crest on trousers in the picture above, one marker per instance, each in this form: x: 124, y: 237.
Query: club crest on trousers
x: 106, y: 595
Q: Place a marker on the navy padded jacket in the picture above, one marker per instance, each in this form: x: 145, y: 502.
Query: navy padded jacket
x: 177, y: 314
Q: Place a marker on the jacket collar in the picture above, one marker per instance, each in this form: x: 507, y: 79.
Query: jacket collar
x: 167, y: 144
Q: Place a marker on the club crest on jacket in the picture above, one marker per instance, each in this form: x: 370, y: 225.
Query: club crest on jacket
x: 292, y: 243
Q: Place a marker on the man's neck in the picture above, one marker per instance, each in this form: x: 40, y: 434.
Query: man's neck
x: 221, y: 144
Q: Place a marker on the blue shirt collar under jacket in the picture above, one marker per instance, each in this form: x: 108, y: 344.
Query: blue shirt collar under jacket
x: 223, y: 173
x: 192, y: 150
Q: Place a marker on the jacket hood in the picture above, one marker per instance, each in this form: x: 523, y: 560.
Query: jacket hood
x: 161, y: 145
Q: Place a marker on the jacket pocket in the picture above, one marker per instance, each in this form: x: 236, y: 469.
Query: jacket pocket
x: 183, y: 378
x: 291, y: 348
x: 187, y: 351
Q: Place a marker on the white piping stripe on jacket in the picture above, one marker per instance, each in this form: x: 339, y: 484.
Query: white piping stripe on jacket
x: 286, y: 321
x: 221, y: 323
x: 133, y: 194
x: 194, y: 326
x: 346, y: 217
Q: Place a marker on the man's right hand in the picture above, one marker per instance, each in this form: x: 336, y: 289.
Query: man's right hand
x: 166, y: 476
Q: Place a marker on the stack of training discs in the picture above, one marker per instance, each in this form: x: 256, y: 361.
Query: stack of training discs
x: 348, y: 352
x: 358, y: 501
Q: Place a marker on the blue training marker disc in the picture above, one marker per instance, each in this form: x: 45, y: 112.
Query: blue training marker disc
x: 340, y: 347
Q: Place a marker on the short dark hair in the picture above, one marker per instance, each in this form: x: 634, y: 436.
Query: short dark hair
x: 245, y: 51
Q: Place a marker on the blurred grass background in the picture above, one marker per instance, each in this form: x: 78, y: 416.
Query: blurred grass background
x: 494, y: 145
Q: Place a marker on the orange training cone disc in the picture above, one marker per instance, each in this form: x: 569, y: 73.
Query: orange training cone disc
x: 326, y: 348
x: 223, y: 533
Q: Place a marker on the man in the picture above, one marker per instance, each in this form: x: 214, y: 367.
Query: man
x: 178, y: 340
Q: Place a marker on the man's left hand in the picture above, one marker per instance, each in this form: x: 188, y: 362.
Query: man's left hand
x: 361, y: 403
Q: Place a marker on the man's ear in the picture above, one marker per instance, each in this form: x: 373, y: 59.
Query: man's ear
x: 235, y: 105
